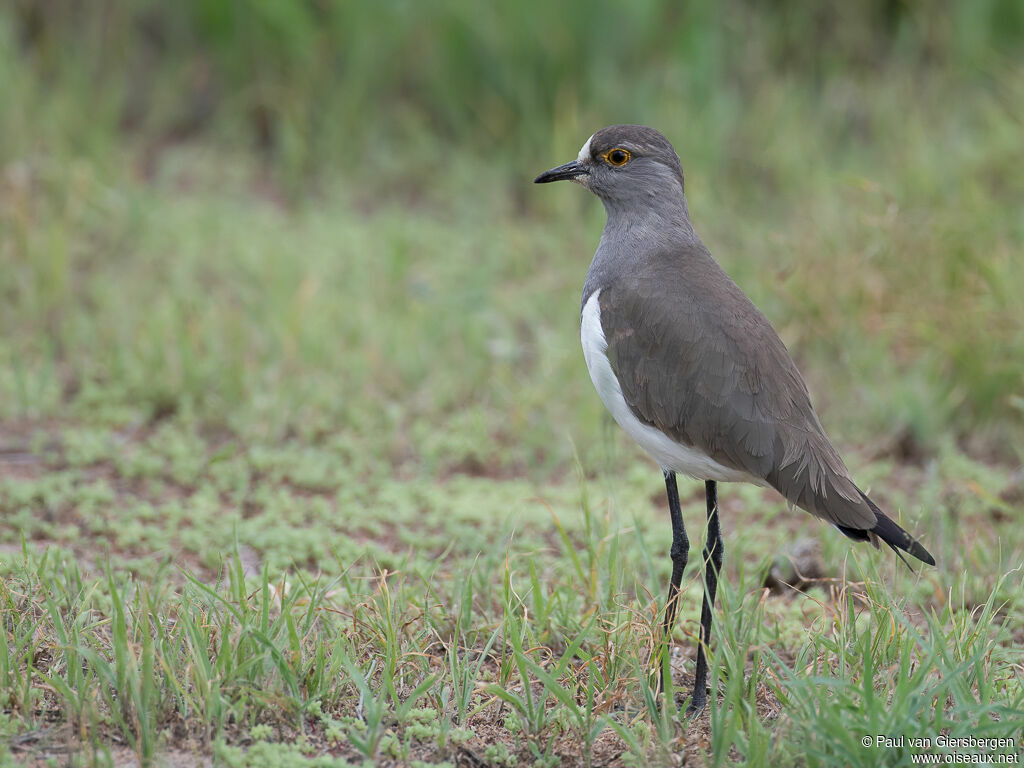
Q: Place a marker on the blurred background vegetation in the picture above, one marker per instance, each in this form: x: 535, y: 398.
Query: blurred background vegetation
x: 306, y: 217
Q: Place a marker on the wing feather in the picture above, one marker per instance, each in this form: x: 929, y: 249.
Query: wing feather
x: 707, y: 368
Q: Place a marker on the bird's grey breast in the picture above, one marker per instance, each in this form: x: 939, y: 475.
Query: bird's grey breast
x: 634, y: 242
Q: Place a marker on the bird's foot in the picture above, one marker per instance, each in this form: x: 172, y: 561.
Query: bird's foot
x: 696, y: 706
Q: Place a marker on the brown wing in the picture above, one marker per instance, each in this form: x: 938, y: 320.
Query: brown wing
x: 729, y: 387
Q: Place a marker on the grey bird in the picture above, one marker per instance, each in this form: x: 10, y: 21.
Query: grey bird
x: 692, y: 370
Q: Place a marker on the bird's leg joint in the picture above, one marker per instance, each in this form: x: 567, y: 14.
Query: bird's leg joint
x: 680, y: 548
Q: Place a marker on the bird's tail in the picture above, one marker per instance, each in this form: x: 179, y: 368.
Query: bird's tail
x: 889, y: 532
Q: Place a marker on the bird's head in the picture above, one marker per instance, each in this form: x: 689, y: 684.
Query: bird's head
x: 622, y: 164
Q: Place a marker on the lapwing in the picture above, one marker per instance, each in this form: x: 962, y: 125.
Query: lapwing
x: 693, y: 371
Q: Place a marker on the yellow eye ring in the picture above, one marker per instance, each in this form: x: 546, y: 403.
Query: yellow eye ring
x: 617, y: 157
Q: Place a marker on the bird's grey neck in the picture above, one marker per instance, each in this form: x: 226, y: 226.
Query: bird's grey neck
x: 666, y: 202
x: 665, y: 219
x: 634, y: 234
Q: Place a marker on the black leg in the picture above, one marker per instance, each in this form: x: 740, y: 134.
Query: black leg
x: 680, y: 552
x: 712, y: 567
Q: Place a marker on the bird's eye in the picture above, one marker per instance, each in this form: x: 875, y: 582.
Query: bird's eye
x: 617, y: 157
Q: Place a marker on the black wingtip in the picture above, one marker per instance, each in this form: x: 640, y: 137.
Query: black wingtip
x: 896, y: 537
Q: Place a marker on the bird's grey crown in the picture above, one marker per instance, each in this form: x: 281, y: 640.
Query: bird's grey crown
x: 641, y: 141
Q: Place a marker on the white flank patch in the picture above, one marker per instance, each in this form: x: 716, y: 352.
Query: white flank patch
x: 584, y: 154
x: 667, y: 452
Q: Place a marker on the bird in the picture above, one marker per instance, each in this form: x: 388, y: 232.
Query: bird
x: 692, y: 370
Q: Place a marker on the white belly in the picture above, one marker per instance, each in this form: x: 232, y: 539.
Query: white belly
x: 671, y: 455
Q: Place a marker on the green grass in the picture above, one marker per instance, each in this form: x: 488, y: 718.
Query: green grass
x: 529, y: 636
x: 299, y: 460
